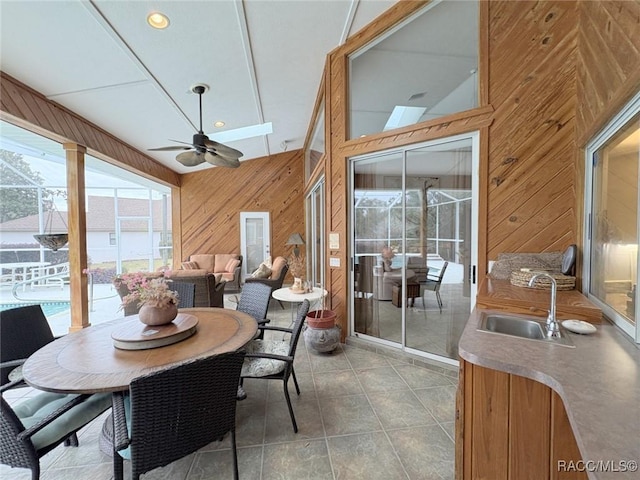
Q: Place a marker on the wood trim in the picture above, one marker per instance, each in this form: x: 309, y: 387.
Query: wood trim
x: 176, y: 226
x: 383, y: 22
x: 483, y: 209
x: 23, y: 106
x: 462, y: 122
x: 320, y: 96
x: 483, y: 55
x: 77, y: 219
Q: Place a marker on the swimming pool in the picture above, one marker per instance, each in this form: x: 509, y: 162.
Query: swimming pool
x: 49, y: 308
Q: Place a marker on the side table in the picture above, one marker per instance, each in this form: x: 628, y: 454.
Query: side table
x: 413, y: 291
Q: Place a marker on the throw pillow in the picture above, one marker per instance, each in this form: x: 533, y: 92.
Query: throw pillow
x: 232, y: 265
x: 262, y: 272
x: 221, y: 261
x: 278, y: 265
x: 189, y: 265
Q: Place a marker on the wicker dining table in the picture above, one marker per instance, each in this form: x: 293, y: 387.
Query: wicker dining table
x: 87, y: 361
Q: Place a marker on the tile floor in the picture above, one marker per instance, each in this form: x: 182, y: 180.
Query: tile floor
x: 361, y: 415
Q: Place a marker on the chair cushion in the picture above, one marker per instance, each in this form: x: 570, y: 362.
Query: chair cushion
x: 260, y: 367
x: 262, y: 272
x: 204, y: 260
x: 221, y: 260
x: 278, y: 264
x: 35, y: 409
x: 232, y: 265
x: 189, y: 265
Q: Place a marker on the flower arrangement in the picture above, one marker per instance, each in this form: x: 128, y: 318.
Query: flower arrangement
x: 146, y: 291
x: 387, y: 256
x: 387, y: 253
x: 297, y: 266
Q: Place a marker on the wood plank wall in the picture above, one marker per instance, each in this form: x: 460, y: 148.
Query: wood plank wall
x: 211, y: 201
x: 608, y: 62
x: 532, y: 90
x: 532, y: 151
x: 23, y: 106
x: 608, y: 70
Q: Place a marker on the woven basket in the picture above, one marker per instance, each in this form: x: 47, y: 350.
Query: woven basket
x: 563, y: 282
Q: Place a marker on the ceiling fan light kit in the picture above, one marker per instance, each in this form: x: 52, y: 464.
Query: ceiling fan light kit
x: 202, y: 149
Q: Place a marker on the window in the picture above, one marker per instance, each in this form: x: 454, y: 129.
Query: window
x: 422, y: 69
x: 611, y: 253
x: 128, y: 223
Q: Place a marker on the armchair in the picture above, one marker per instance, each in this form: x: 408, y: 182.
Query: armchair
x: 279, y: 271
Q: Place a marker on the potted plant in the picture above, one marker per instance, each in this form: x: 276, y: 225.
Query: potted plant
x: 157, y: 303
x: 322, y: 334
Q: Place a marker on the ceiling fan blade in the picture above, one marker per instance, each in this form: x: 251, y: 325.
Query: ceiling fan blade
x: 221, y: 161
x: 191, y: 159
x: 167, y: 149
x: 221, y: 149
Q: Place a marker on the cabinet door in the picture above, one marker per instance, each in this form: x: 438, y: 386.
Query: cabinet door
x: 490, y: 425
x: 564, y: 448
x: 511, y: 428
x: 529, y: 413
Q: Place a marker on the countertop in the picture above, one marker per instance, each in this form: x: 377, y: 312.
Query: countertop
x: 598, y: 381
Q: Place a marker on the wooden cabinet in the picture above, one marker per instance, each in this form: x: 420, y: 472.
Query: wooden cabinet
x: 510, y: 428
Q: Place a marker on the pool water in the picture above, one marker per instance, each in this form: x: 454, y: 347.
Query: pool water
x: 49, y: 308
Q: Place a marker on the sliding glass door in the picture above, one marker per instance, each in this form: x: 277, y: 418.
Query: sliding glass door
x: 414, y: 217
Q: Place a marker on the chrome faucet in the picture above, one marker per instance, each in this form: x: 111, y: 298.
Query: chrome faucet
x: 553, y: 328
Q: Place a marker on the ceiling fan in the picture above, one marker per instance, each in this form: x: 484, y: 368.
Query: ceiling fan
x: 201, y: 149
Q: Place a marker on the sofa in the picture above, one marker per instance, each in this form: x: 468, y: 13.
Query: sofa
x: 225, y: 266
x: 385, y: 276
x: 209, y: 291
x: 209, y: 287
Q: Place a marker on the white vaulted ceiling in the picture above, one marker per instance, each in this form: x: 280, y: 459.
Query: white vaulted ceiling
x: 262, y: 59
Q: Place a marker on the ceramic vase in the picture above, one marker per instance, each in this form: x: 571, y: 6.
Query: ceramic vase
x: 152, y: 315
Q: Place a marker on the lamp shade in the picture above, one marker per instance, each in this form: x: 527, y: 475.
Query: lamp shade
x: 295, y: 239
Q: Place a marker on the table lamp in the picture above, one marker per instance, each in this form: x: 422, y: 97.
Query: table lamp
x: 295, y: 239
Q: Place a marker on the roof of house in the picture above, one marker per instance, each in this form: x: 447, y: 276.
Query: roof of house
x: 100, y: 217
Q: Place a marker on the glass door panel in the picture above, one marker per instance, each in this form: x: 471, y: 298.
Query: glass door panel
x: 315, y: 234
x: 255, y: 240
x: 414, y: 222
x: 378, y: 246
x: 440, y: 242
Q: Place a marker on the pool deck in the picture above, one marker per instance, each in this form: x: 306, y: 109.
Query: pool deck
x: 105, y: 305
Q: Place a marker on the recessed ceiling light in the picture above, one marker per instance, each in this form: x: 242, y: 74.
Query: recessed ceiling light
x: 219, y: 124
x: 158, y: 20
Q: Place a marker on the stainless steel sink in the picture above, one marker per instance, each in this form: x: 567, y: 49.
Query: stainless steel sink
x: 520, y: 327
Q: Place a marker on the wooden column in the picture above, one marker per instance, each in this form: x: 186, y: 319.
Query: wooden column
x: 77, y: 236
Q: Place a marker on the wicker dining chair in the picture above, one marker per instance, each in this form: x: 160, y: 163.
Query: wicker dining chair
x: 254, y: 301
x: 433, y: 283
x: 186, y: 293
x: 37, y: 425
x: 23, y: 330
x: 273, y: 359
x: 169, y: 414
